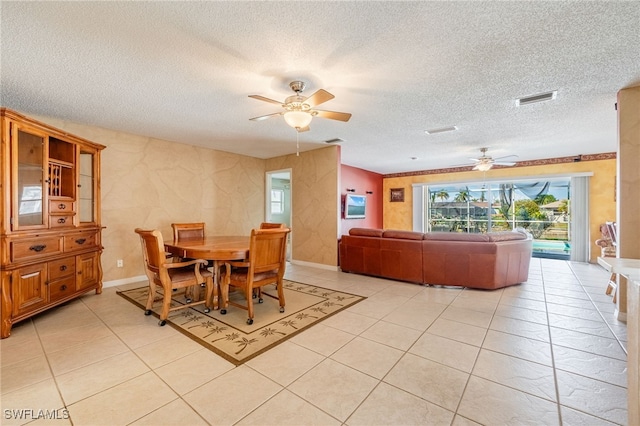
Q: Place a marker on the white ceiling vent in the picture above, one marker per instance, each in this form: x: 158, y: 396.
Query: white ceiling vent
x: 441, y: 130
x: 541, y: 97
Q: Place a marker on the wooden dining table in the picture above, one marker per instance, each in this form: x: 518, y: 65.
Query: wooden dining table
x: 216, y: 248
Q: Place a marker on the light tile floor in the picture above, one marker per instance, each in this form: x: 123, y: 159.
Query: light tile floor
x: 548, y: 351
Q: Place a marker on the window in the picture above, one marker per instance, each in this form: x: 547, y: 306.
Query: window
x: 541, y: 206
x: 277, y: 201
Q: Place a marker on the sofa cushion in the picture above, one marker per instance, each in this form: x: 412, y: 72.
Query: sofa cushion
x: 403, y: 235
x: 456, y: 236
x: 365, y: 232
x: 489, y: 237
x: 506, y: 236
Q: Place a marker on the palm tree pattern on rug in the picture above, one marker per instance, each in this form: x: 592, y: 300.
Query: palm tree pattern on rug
x: 232, y: 338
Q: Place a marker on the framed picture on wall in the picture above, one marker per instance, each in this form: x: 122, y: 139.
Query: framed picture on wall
x: 397, y: 195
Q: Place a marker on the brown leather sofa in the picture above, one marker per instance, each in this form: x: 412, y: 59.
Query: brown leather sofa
x: 487, y: 261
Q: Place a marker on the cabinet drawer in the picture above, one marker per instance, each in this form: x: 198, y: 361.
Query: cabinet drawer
x: 60, y: 206
x: 62, y: 268
x: 35, y: 247
x: 61, y: 288
x: 60, y: 221
x: 80, y: 241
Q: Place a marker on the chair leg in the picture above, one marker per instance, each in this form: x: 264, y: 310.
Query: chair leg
x: 211, y: 292
x: 249, y: 293
x: 191, y: 293
x: 151, y: 297
x: 166, y: 305
x: 612, y: 287
x: 281, y: 295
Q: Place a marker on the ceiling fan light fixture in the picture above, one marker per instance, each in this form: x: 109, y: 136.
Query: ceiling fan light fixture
x: 483, y: 167
x: 297, y: 119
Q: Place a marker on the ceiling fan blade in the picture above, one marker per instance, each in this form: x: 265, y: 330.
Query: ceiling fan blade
x: 506, y: 156
x: 262, y: 98
x: 504, y: 163
x: 333, y: 115
x: 264, y: 117
x: 319, y: 97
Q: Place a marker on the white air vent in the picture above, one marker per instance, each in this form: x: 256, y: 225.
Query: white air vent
x: 441, y: 130
x: 541, y: 97
x: 335, y: 140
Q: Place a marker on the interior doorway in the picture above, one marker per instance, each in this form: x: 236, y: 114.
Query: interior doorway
x: 278, y: 200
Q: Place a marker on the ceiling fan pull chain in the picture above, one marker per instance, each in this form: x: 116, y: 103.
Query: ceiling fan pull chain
x: 297, y: 143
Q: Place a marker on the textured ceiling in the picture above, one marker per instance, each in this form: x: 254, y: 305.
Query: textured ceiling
x: 182, y: 71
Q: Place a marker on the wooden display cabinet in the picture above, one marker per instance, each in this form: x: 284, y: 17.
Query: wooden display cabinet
x: 50, y: 231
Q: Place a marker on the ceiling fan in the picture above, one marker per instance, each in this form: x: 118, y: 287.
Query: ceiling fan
x: 299, y: 110
x: 486, y: 162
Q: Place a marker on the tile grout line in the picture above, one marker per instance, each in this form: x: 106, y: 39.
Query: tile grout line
x: 599, y: 312
x: 551, y: 348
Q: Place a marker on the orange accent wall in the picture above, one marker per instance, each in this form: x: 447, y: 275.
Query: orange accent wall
x: 362, y: 181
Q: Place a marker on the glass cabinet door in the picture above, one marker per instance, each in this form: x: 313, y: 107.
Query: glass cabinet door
x: 29, y: 196
x: 87, y: 187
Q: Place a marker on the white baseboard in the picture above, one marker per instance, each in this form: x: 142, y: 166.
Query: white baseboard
x: 314, y: 265
x: 123, y: 281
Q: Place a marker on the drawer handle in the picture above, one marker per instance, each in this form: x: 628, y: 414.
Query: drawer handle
x: 81, y: 240
x: 63, y: 268
x: 38, y: 248
x: 63, y: 287
x: 62, y: 220
x: 62, y: 206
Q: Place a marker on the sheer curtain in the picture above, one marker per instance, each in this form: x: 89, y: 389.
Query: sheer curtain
x: 579, y: 228
x: 419, y: 207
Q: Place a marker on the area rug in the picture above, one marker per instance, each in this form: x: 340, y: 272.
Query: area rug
x: 232, y: 338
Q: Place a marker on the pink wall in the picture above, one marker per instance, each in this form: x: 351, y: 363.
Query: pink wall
x: 362, y: 181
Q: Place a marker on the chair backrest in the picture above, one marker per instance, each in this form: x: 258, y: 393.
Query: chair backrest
x: 185, y: 231
x: 152, y: 249
x: 268, y: 225
x: 612, y: 228
x: 267, y: 250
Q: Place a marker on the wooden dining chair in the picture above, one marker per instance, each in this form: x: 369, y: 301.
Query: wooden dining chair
x: 189, y: 231
x: 183, y: 231
x: 166, y: 275
x: 264, y: 265
x: 186, y: 231
x: 269, y: 225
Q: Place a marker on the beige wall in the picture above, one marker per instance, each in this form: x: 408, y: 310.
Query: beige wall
x: 150, y: 183
x: 601, y: 191
x: 315, y: 203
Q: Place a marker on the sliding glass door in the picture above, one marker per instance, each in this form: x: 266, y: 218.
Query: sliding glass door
x: 541, y: 207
